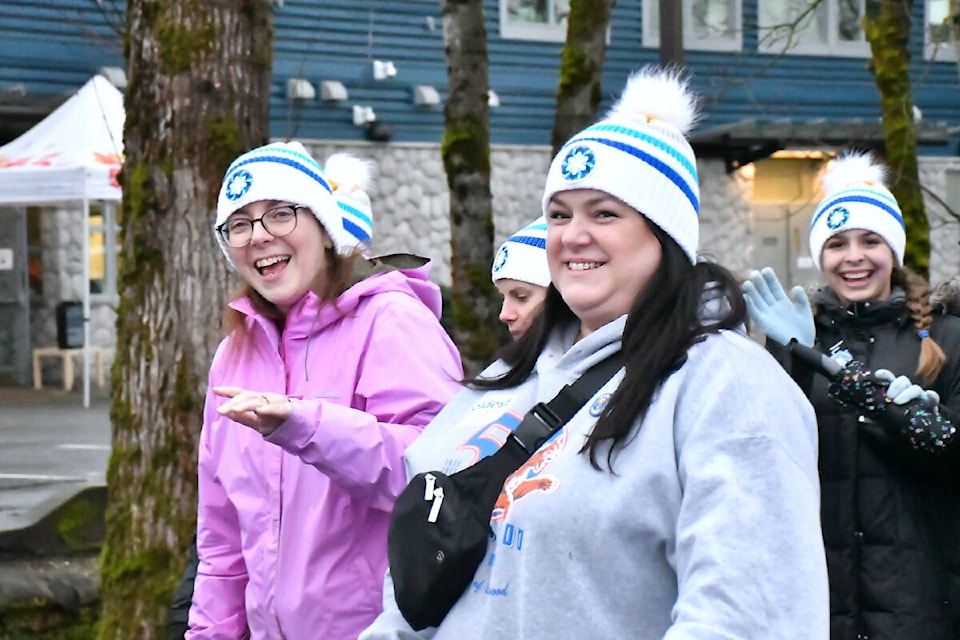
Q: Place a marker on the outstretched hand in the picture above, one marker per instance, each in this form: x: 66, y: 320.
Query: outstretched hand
x: 262, y: 411
x: 782, y: 318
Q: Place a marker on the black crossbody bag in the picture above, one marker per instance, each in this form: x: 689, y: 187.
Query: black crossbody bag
x: 440, y: 524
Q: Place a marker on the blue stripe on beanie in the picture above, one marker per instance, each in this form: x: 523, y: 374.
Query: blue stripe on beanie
x: 356, y: 213
x: 298, y: 162
x: 539, y: 243
x: 523, y: 256
x: 658, y: 164
x: 355, y: 230
x: 875, y: 201
x: 654, y: 141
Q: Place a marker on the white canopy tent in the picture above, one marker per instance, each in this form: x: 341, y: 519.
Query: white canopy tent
x: 72, y: 155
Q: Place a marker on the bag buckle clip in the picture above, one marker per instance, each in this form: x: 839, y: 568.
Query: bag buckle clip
x: 539, y: 423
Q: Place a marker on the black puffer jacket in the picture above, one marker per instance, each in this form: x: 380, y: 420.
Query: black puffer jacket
x: 890, y: 512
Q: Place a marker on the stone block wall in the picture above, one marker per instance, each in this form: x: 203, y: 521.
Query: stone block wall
x: 411, y: 203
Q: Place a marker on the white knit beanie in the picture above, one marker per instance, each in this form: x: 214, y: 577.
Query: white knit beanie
x: 285, y: 171
x: 857, y: 198
x: 640, y: 155
x: 523, y: 256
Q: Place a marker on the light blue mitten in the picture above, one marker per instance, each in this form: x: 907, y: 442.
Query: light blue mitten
x: 782, y: 318
x: 902, y: 390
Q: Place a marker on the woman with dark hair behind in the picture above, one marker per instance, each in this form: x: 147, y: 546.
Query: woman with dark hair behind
x: 521, y: 276
x: 681, y: 501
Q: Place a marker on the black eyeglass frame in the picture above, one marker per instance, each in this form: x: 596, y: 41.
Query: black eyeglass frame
x: 225, y: 232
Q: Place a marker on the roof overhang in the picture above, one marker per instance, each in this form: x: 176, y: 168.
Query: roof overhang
x: 745, y: 141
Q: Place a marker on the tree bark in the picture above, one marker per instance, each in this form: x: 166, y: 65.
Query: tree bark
x: 887, y: 28
x: 581, y: 66
x: 466, y: 160
x: 198, y: 92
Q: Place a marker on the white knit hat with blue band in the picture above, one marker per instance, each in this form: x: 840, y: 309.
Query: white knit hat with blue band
x: 639, y: 154
x: 285, y: 171
x: 523, y: 256
x: 857, y: 198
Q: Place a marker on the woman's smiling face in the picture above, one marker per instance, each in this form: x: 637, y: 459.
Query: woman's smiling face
x: 857, y: 265
x: 601, y: 253
x: 281, y: 269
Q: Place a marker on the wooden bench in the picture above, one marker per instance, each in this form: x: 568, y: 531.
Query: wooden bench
x: 66, y: 356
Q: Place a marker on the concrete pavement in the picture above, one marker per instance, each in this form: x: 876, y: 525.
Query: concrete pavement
x: 51, y: 448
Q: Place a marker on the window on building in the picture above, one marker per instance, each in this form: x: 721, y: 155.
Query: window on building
x: 104, y: 245
x: 824, y: 27
x: 938, y: 36
x: 707, y: 24
x: 534, y: 19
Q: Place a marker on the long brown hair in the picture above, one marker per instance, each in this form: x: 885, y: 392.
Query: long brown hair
x: 917, y: 291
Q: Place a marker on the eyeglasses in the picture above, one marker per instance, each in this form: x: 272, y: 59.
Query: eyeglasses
x: 278, y: 222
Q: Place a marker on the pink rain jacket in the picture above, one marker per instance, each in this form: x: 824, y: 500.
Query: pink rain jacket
x: 292, y: 528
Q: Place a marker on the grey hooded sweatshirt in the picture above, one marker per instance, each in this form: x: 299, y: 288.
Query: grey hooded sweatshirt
x: 708, y: 527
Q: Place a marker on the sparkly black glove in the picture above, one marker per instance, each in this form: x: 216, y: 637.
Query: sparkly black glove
x: 919, y: 419
x: 926, y: 428
x: 858, y: 389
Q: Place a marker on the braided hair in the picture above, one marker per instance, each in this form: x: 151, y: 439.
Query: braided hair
x: 918, y: 302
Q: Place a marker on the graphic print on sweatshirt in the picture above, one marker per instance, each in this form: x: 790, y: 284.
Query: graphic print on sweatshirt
x: 531, y: 477
x: 484, y: 442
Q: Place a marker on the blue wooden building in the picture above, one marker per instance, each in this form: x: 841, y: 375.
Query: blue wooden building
x: 815, y: 87
x: 369, y: 76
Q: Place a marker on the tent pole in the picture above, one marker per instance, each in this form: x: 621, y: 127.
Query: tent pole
x: 86, y: 302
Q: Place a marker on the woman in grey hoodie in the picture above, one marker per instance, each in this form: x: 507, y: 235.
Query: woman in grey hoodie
x: 682, y: 500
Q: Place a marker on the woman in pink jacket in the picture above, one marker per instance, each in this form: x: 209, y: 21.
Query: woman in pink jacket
x: 332, y: 366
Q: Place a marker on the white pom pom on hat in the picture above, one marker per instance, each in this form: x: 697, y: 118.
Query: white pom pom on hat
x: 523, y: 256
x: 640, y: 155
x: 285, y: 171
x: 350, y: 178
x: 857, y: 198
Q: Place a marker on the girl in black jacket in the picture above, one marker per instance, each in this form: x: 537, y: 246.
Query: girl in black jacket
x: 889, y: 453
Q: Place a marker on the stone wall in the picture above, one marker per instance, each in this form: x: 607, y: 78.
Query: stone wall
x: 410, y: 203
x: 62, y: 257
x: 940, y: 178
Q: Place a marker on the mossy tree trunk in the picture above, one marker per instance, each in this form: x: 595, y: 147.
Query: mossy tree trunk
x: 887, y: 28
x: 198, y: 91
x: 466, y: 160
x: 581, y: 64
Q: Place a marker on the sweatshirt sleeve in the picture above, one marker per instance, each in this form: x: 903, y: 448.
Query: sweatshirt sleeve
x: 218, y: 608
x: 408, y: 372
x: 749, y: 551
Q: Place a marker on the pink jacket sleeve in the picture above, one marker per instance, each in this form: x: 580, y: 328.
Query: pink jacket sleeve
x: 408, y: 372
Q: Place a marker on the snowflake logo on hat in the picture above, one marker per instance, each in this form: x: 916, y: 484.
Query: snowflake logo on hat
x: 578, y: 164
x: 238, y: 183
x: 837, y: 217
x: 500, y: 260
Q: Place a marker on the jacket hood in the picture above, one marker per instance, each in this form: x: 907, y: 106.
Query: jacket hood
x: 946, y: 297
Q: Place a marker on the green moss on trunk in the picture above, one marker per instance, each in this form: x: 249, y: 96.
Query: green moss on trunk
x: 47, y: 621
x: 887, y: 28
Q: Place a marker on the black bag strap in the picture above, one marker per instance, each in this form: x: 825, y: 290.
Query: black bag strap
x: 543, y: 419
